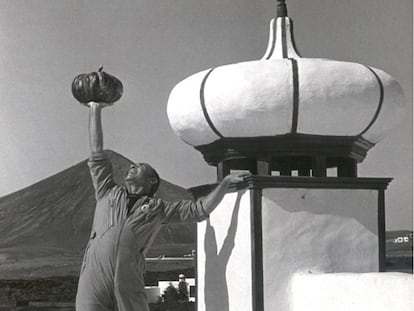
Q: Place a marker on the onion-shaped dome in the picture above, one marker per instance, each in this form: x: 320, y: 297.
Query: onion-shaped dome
x: 285, y: 94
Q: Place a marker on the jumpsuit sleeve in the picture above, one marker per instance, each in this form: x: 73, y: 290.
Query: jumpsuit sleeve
x: 100, y: 169
x: 184, y: 211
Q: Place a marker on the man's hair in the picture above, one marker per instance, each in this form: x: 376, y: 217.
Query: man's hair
x: 153, y: 174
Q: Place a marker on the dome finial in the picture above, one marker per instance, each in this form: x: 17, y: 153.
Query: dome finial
x: 281, y: 8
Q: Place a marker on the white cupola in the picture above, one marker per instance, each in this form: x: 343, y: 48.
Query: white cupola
x: 284, y: 104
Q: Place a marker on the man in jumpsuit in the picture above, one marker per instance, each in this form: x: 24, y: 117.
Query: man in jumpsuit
x: 125, y: 224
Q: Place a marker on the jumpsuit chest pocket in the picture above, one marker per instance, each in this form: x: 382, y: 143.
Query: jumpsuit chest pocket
x: 107, y: 220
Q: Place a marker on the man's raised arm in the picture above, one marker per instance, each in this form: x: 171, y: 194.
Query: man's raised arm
x: 95, y: 128
x: 100, y: 168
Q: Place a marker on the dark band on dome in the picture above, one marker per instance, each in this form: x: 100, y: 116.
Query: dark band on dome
x: 381, y: 100
x: 295, y: 84
x: 284, y: 45
x: 203, y: 105
x: 274, y: 40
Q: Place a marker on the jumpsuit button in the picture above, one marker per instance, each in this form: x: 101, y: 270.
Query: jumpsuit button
x: 93, y: 235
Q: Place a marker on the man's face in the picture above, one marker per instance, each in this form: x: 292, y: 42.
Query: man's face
x: 137, y: 174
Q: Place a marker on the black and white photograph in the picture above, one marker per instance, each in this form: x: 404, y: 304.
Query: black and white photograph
x: 195, y: 155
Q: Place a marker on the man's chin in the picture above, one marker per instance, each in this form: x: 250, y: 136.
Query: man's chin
x: 131, y: 181
x: 128, y: 180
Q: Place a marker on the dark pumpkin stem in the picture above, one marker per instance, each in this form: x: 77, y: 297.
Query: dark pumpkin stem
x: 100, y: 68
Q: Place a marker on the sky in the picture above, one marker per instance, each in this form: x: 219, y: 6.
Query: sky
x: 151, y: 45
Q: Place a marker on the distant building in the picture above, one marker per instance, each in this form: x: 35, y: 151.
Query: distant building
x: 402, y: 239
x: 162, y: 285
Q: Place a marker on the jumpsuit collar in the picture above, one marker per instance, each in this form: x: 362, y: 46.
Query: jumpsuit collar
x: 134, y: 200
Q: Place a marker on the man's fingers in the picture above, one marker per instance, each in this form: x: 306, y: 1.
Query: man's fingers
x: 239, y: 177
x: 100, y: 105
x: 243, y: 177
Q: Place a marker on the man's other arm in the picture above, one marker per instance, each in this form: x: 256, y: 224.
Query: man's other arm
x: 210, y: 201
x: 189, y: 211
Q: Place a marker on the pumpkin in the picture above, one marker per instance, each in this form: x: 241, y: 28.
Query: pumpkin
x: 99, y: 87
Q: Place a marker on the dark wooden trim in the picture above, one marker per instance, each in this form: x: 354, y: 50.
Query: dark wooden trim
x: 285, y: 172
x: 223, y: 169
x: 304, y: 172
x: 261, y: 182
x: 288, y: 145
x: 381, y: 230
x: 196, y: 269
x: 318, y: 182
x: 319, y: 166
x: 347, y: 167
x: 256, y: 249
x: 263, y: 166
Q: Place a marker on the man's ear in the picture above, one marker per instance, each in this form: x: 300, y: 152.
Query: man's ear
x: 153, y: 180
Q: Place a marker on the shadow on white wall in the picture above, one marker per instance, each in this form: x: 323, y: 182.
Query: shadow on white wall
x: 216, y: 291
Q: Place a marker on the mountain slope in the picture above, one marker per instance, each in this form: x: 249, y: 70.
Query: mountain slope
x: 45, y: 227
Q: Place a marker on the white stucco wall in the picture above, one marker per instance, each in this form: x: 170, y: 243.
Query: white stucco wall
x: 353, y: 291
x: 224, y: 257
x: 304, y: 231
x: 315, y: 230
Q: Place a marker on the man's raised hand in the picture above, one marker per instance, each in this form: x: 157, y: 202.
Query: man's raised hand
x: 97, y: 105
